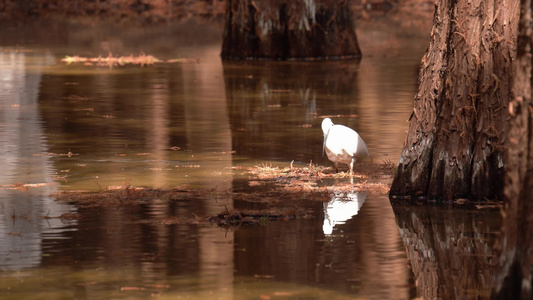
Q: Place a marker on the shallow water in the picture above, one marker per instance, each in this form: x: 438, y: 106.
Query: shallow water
x: 76, y: 127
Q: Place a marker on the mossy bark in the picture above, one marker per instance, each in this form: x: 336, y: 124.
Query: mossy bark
x: 455, y: 144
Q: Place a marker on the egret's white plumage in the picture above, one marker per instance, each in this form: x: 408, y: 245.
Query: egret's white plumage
x: 342, y: 144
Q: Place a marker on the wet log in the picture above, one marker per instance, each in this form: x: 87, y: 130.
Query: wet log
x: 455, y: 144
x: 281, y: 29
x: 514, y: 279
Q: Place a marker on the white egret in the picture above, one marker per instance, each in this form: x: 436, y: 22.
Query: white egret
x: 342, y: 144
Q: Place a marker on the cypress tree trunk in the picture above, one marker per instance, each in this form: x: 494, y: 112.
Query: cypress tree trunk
x: 455, y: 144
x: 514, y: 278
x: 289, y: 29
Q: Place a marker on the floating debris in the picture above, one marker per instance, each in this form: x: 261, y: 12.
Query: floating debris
x: 25, y: 186
x: 233, y: 218
x: 142, y: 59
x: 75, y: 98
x: 278, y: 190
x: 69, y: 154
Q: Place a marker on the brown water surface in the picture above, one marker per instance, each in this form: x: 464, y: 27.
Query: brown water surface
x: 197, y: 124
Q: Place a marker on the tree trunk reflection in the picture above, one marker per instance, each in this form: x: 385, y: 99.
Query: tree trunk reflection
x: 450, y: 250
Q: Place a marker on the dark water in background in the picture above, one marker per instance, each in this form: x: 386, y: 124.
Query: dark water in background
x: 75, y: 127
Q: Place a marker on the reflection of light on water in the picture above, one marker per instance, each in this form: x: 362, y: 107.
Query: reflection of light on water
x: 26, y: 216
x: 341, y: 208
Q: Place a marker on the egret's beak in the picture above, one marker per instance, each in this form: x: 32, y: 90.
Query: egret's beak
x: 324, y: 146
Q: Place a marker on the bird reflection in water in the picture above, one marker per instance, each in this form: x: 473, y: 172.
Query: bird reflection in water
x: 342, y: 207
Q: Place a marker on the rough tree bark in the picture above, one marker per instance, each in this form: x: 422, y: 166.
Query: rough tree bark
x: 454, y: 146
x: 514, y: 277
x: 289, y: 29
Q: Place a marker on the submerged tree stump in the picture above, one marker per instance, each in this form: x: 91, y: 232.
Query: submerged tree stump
x: 283, y: 29
x: 455, y: 144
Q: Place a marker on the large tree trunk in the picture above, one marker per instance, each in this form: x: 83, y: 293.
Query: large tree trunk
x: 454, y: 147
x: 289, y: 29
x: 514, y: 278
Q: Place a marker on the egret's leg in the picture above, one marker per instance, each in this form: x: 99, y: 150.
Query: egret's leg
x: 336, y: 167
x: 351, y: 165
